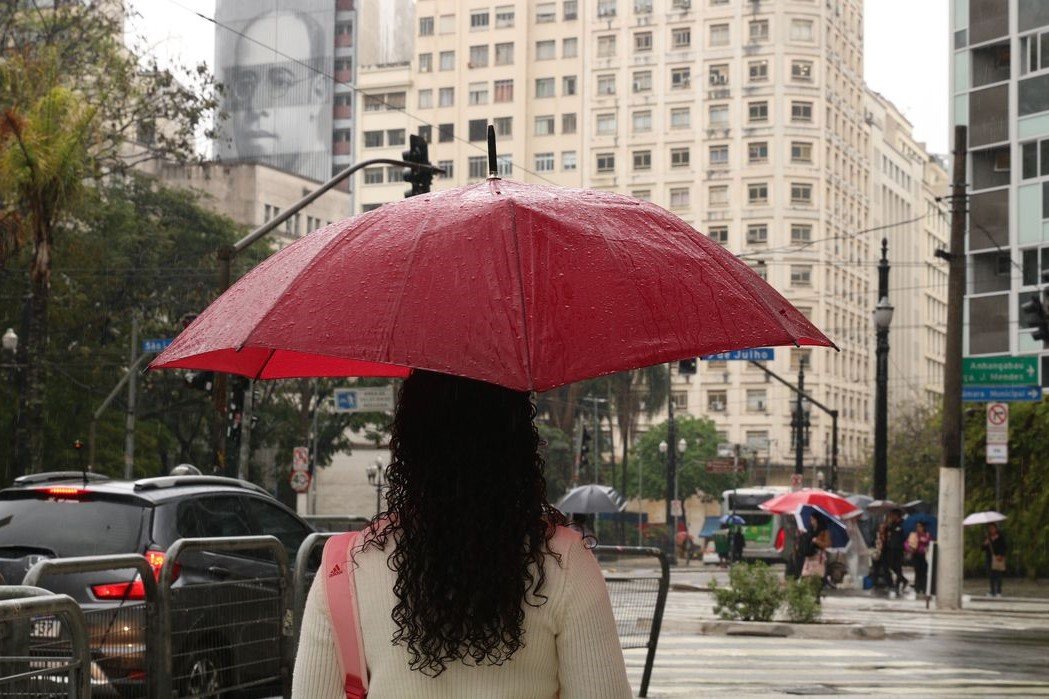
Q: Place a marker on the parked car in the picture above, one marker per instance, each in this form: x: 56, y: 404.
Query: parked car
x: 223, y: 620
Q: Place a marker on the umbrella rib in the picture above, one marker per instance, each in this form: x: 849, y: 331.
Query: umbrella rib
x: 521, y: 290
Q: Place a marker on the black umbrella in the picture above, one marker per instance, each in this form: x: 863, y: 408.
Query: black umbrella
x: 592, y: 499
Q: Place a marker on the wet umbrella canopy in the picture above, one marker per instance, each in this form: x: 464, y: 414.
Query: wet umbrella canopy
x: 830, y: 503
x: 525, y: 286
x: 591, y: 499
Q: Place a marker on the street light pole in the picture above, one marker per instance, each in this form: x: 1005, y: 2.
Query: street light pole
x: 799, y: 422
x: 671, y: 462
x: 882, y: 320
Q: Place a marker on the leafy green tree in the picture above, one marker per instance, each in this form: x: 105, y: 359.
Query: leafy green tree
x: 915, y: 453
x: 700, y: 437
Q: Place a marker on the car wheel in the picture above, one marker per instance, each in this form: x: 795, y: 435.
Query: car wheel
x: 202, y: 675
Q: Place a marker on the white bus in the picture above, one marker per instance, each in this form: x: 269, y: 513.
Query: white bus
x: 761, y: 529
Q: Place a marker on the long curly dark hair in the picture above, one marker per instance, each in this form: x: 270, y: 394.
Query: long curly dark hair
x: 470, y: 522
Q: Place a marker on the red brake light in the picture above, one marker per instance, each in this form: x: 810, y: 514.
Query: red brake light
x: 64, y: 491
x: 123, y: 590
x: 781, y: 538
x: 156, y: 562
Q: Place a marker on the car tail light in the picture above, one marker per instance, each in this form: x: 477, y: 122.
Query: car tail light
x: 64, y: 491
x: 134, y: 590
x: 156, y: 562
x: 781, y: 539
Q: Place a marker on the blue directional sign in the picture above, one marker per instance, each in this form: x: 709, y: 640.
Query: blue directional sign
x: 1002, y: 394
x: 756, y: 354
x: 154, y: 346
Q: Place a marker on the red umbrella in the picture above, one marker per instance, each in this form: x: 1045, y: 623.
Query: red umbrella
x: 793, y: 501
x: 525, y: 286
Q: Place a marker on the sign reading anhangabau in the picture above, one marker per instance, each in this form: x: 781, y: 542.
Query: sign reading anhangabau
x: 1001, y: 371
x: 365, y: 399
x: 755, y: 354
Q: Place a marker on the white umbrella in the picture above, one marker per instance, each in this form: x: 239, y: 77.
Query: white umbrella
x: 592, y: 499
x: 983, y: 518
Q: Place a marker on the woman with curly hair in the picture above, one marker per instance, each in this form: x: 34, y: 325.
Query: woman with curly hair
x: 470, y: 584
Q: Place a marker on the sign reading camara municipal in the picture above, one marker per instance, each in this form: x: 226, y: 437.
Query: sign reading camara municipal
x: 366, y: 399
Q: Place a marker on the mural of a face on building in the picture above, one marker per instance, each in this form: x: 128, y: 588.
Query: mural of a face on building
x: 277, y: 93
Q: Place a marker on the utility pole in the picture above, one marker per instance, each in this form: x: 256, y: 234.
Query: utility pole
x: 245, y: 431
x: 882, y: 319
x: 952, y: 476
x: 132, y: 387
x: 596, y: 452
x: 799, y: 422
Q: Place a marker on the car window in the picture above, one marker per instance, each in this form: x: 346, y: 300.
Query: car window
x: 222, y: 515
x: 70, y: 526
x: 271, y: 519
x: 187, y: 520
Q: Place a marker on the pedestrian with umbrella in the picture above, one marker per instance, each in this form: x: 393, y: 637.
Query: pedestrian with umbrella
x: 480, y: 295
x: 994, y: 547
x: 893, y: 550
x: 814, y: 544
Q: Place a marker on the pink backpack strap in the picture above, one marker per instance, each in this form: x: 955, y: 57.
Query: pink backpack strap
x: 338, y: 567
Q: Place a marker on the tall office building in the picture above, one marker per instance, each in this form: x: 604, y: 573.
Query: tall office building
x: 1000, y: 85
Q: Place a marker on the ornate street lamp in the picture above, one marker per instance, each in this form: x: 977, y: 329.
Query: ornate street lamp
x: 882, y: 319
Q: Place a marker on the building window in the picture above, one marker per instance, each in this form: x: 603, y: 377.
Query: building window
x: 425, y: 99
x: 478, y: 20
x: 545, y: 12
x: 545, y: 87
x: 606, y: 85
x: 758, y: 152
x: 449, y: 169
x: 718, y: 155
x: 606, y: 162
x: 642, y: 7
x: 801, y: 30
x: 478, y: 167
x: 756, y: 400
x: 544, y: 125
x: 426, y: 26
x: 504, y: 54
x: 800, y: 232
x: 570, y: 47
x: 718, y: 115
x: 719, y: 35
x: 447, y: 60
x: 801, y: 112
x: 758, y: 193
x: 365, y: 208
x: 446, y: 24
x: 544, y: 162
x: 478, y: 56
x: 758, y: 112
x: 446, y: 97
x: 800, y: 275
x: 642, y: 159
x: 800, y: 152
x: 758, y: 30
x: 373, y: 103
x: 679, y: 197
x: 571, y: 9
x: 800, y: 193
x: 717, y: 196
x: 606, y: 46
x: 425, y: 62
x: 1034, y: 52
x: 681, y: 37
x: 680, y: 118
x: 681, y: 5
x: 504, y: 126
x: 642, y: 81
x: 568, y: 85
x: 504, y: 16
x: 373, y: 139
x: 719, y: 75
x: 642, y: 42
x: 568, y: 123
x: 717, y: 401
x: 503, y: 91
x: 445, y: 133
x: 680, y: 157
x: 719, y: 234
x: 642, y: 194
x: 801, y: 71
x: 479, y: 93
x: 504, y: 165
x: 569, y: 161
x: 1035, y: 156
x: 606, y: 124
x: 642, y: 121
x: 680, y: 78
x: 606, y: 8
x: 373, y: 175
x: 395, y: 137
x: 545, y: 50
x: 757, y: 233
x: 477, y: 129
x: 758, y: 71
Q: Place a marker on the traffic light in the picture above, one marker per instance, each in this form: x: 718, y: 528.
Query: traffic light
x: 418, y: 152
x: 1036, y: 315
x: 687, y: 367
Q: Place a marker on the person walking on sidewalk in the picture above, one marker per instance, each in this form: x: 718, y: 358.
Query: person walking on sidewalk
x: 995, y: 548
x: 470, y: 584
x: 917, y: 546
x: 893, y: 551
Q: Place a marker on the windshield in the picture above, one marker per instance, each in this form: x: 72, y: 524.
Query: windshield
x: 70, y: 527
x: 747, y: 501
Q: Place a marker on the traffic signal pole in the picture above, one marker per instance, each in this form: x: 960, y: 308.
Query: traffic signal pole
x: 227, y: 253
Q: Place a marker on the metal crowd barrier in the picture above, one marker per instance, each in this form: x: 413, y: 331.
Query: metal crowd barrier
x: 122, y: 635
x: 229, y: 624
x: 43, y: 645
x: 639, y: 594
x: 304, y: 574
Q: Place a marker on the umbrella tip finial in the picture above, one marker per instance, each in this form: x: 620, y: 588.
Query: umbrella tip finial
x: 493, y: 165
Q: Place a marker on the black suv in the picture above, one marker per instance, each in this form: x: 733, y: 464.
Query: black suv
x: 216, y: 644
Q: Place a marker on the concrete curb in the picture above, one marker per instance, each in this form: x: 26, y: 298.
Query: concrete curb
x: 825, y: 631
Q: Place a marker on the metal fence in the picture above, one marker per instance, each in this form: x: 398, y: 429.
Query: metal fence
x: 43, y: 645
x: 229, y: 623
x: 638, y: 579
x: 307, y: 561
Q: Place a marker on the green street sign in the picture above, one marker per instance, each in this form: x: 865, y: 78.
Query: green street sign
x: 1000, y: 371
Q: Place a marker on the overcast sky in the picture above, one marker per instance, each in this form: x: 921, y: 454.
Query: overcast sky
x: 906, y: 52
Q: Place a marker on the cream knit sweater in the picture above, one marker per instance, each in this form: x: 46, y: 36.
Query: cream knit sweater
x: 571, y: 649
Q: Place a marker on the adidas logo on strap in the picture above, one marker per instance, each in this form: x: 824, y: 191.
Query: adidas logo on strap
x: 337, y: 570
